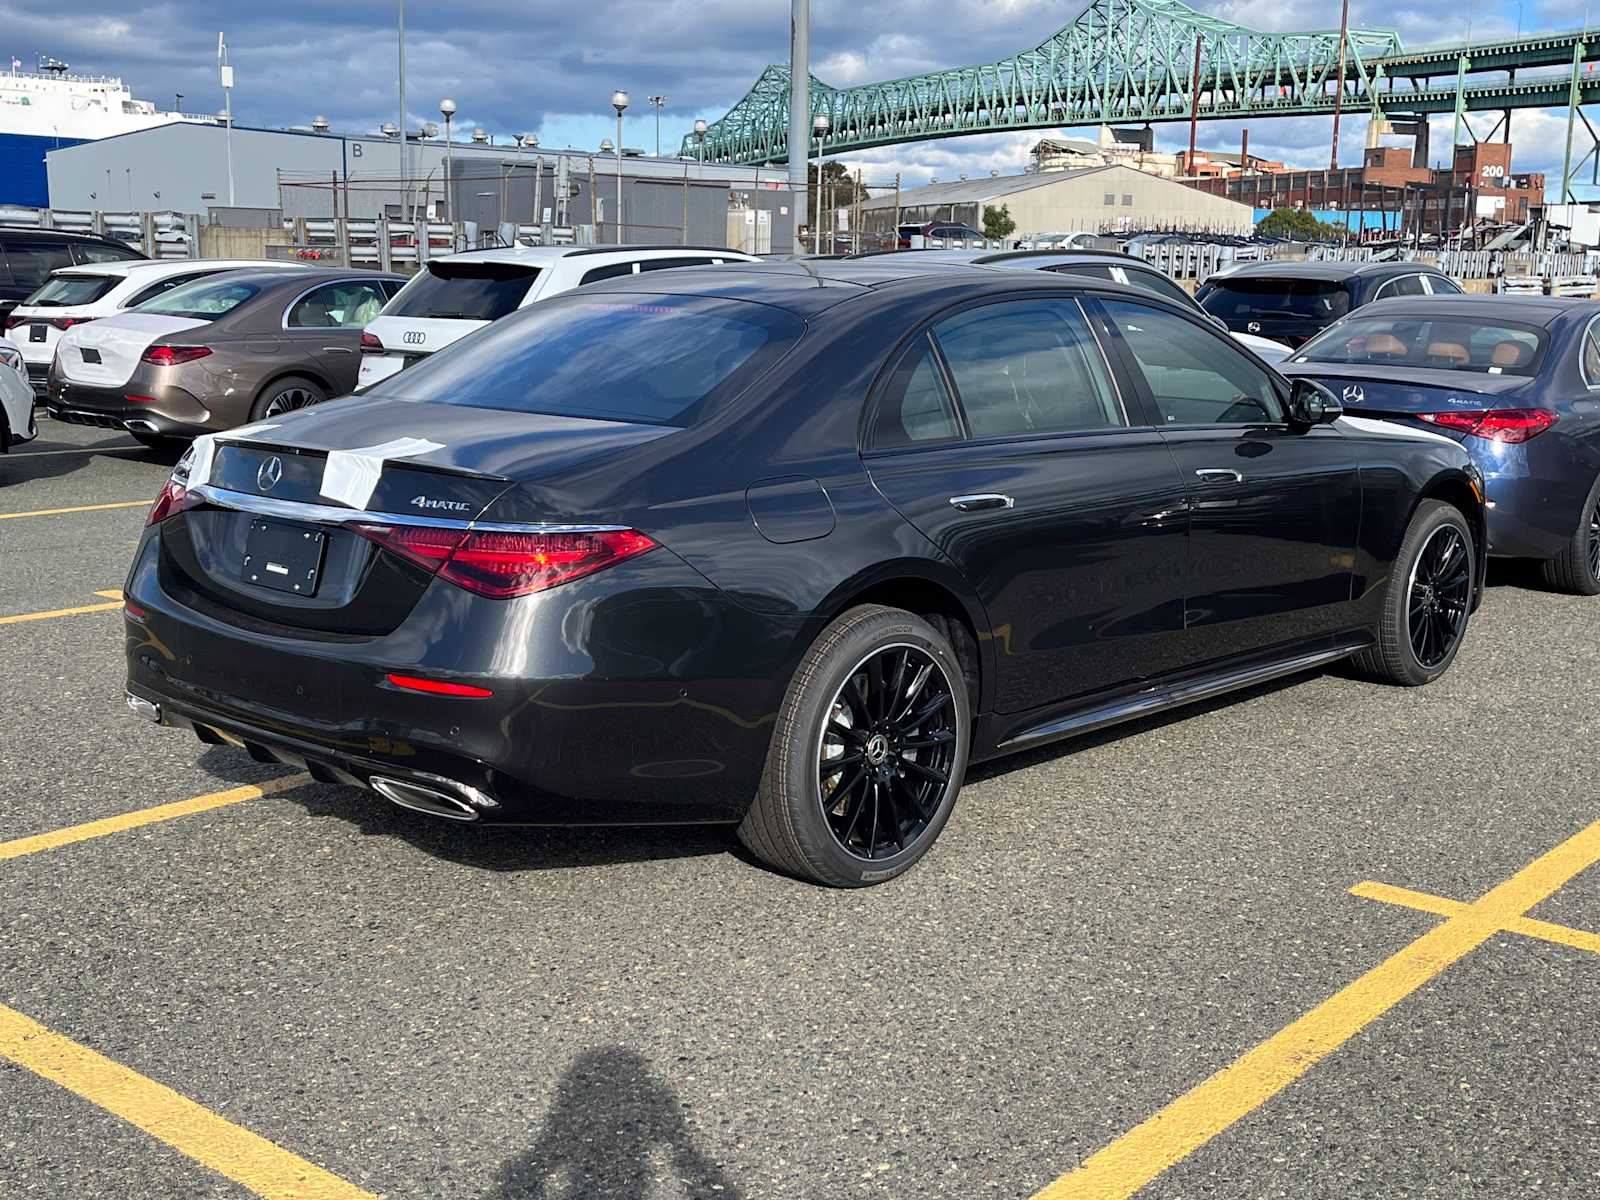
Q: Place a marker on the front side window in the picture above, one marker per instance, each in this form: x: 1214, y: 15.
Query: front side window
x: 347, y: 305
x: 1195, y: 375
x: 658, y: 360
x: 1430, y: 343
x: 915, y: 406
x: 32, y: 261
x: 64, y: 291
x: 464, y: 291
x: 95, y: 252
x: 203, y: 300
x: 1026, y: 367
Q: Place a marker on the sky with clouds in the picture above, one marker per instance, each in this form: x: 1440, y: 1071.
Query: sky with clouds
x: 548, y: 67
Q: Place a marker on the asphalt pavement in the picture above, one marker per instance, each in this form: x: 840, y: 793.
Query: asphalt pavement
x: 423, y: 1010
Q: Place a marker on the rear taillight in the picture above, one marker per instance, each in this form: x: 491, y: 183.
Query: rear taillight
x: 172, y: 356
x: 66, y: 323
x: 13, y: 322
x: 370, y: 344
x: 173, y: 499
x: 501, y: 565
x: 1496, y: 424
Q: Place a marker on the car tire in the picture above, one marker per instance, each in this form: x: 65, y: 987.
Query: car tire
x: 285, y: 395
x: 1427, y: 601
x: 1576, y: 570
x: 880, y: 690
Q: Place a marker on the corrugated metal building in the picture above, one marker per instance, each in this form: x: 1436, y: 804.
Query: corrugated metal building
x: 184, y: 168
x: 1107, y: 199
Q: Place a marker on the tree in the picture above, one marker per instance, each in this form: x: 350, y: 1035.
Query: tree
x: 997, y: 223
x: 838, y: 181
x: 1298, y: 225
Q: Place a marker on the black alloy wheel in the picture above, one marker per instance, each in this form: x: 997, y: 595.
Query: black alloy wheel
x: 1440, y: 596
x: 1594, y: 540
x: 886, y: 751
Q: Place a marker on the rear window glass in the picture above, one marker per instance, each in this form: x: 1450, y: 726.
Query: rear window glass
x: 661, y: 360
x: 1431, y: 343
x: 1315, y: 299
x: 65, y: 290
x: 464, y: 291
x: 203, y: 300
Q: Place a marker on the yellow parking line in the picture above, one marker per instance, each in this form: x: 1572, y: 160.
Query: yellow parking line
x: 56, y: 512
x: 50, y: 614
x: 1579, y: 939
x: 146, y: 816
x: 1189, y: 1122
x: 246, y: 1158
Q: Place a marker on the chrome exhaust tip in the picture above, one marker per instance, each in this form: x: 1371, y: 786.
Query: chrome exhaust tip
x: 140, y: 707
x: 137, y: 426
x: 423, y: 799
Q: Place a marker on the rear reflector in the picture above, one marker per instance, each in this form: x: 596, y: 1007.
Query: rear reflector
x: 172, y: 356
x: 135, y: 398
x: 503, y: 565
x: 133, y: 610
x: 1510, y: 425
x: 438, y: 687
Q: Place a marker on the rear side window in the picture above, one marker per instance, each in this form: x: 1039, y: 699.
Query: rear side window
x: 162, y: 287
x: 609, y: 271
x: 1442, y: 285
x: 1313, y: 299
x: 1027, y: 367
x: 666, y: 264
x: 100, y: 252
x: 32, y: 261
x: 915, y: 406
x: 659, y: 360
x: 1405, y: 285
x: 63, y: 291
x: 1147, y: 281
x: 464, y: 291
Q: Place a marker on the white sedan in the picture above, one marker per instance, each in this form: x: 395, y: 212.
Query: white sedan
x: 16, y: 401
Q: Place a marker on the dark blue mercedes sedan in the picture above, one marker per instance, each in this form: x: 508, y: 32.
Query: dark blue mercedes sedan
x: 1515, y: 380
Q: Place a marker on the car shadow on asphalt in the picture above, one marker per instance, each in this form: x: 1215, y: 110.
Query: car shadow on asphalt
x: 509, y: 849
x: 20, y: 466
x: 615, y: 1131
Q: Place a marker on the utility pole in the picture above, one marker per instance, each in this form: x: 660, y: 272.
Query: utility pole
x: 1194, y: 102
x: 227, y: 106
x: 895, y: 232
x: 658, y: 103
x: 1338, y: 95
x: 799, y: 105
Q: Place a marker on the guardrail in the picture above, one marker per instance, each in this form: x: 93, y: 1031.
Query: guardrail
x: 155, y: 234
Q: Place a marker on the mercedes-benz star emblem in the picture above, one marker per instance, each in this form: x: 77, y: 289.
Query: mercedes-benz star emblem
x: 1354, y: 394
x: 271, y: 471
x: 1253, y: 327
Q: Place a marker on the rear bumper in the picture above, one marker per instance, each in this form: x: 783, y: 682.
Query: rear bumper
x: 629, y: 697
x: 109, y: 408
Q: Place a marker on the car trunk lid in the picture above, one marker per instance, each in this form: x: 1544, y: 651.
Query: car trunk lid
x: 106, y: 353
x: 1405, y: 392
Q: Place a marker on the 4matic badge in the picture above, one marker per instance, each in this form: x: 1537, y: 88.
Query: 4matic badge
x: 446, y: 505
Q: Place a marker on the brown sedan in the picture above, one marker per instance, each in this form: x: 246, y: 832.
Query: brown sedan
x: 218, y: 353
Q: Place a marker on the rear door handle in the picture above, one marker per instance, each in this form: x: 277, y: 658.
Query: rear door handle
x: 1220, y: 475
x: 338, y: 349
x: 982, y: 502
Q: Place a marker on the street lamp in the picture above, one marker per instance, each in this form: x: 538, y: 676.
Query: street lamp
x: 700, y: 128
x: 447, y: 109
x: 819, y: 126
x: 658, y: 103
x: 619, y: 101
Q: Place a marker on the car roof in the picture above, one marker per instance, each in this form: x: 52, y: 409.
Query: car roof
x: 536, y: 256
x: 1062, y: 258
x: 21, y: 232
x: 158, y: 268
x: 806, y: 288
x: 1322, y: 270
x: 308, y: 278
x: 1525, y: 310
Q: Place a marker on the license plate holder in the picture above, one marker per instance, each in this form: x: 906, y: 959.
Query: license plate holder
x: 284, y: 556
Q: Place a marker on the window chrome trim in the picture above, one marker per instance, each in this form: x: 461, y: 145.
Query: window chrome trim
x: 330, y: 514
x: 1588, y: 332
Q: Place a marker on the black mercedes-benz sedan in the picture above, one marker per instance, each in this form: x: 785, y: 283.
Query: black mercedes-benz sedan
x: 786, y: 547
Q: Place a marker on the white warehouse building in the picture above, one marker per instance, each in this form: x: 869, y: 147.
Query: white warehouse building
x: 1108, y: 199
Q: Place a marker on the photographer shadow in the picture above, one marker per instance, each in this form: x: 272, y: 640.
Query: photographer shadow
x: 614, y: 1132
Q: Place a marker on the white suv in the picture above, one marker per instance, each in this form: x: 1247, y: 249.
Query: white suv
x: 452, y: 296
x: 73, y: 295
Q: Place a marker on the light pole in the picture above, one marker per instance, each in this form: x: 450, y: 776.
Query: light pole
x: 619, y: 101
x: 700, y: 128
x: 405, y: 150
x: 819, y: 126
x: 658, y: 103
x: 447, y: 109
x: 227, y: 106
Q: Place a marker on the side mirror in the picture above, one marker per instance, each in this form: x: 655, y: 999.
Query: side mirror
x: 1312, y: 404
x: 1217, y: 321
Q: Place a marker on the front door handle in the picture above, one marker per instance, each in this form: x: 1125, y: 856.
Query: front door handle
x: 982, y: 502
x: 338, y: 349
x: 1220, y: 475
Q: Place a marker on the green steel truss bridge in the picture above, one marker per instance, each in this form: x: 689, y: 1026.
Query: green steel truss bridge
x: 1134, y: 61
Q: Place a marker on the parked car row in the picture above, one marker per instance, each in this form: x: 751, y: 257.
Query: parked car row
x: 788, y: 545
x: 16, y: 400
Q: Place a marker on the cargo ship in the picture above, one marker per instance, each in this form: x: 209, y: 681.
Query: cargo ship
x: 50, y: 108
